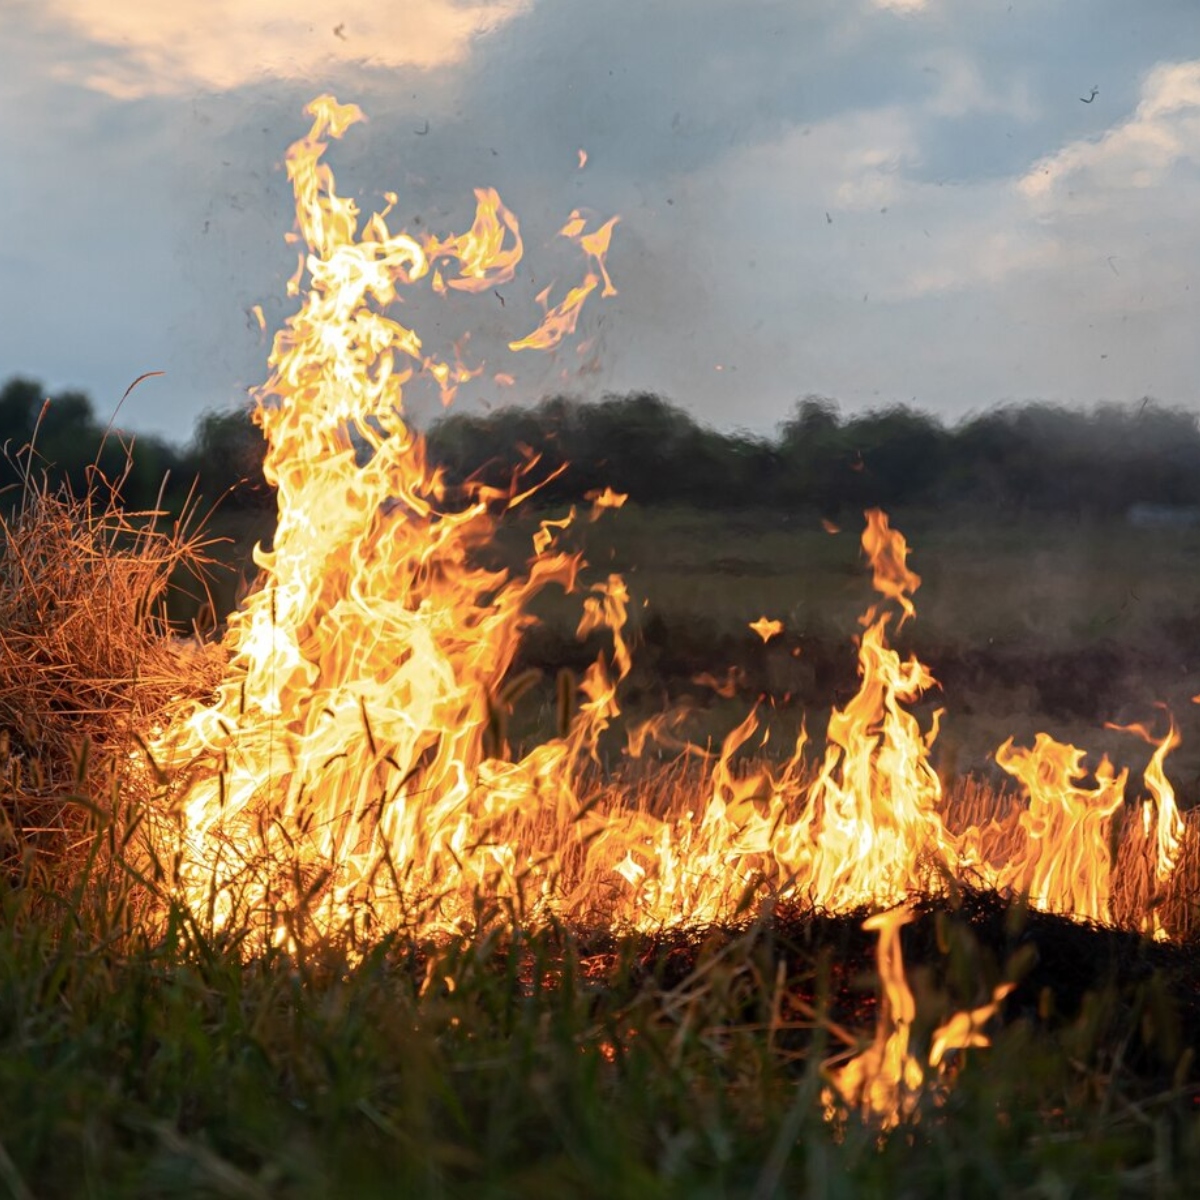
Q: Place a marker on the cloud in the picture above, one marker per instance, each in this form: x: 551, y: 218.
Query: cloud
x: 1138, y: 154
x: 176, y: 48
x: 987, y: 234
x: 962, y: 88
x: 865, y: 276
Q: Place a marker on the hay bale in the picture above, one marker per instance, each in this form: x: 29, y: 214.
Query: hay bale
x: 87, y: 657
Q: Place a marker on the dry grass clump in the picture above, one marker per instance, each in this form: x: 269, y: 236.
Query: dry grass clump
x: 87, y: 658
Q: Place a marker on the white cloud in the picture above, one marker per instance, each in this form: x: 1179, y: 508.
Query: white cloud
x: 184, y: 45
x: 1138, y: 154
x: 889, y: 285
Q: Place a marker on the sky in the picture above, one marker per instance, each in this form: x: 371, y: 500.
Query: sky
x: 945, y: 203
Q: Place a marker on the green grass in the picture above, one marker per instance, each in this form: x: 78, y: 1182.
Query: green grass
x: 148, y: 1059
x: 506, y: 1065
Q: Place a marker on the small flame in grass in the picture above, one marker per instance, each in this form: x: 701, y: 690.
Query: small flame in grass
x: 604, y: 498
x: 767, y: 628
x: 1067, y: 868
x: 884, y: 1083
x: 1162, y: 821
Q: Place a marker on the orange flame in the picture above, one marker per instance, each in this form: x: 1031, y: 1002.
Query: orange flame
x: 888, y: 554
x: 349, y: 737
x: 559, y: 321
x: 1161, y: 818
x: 766, y: 628
x: 353, y: 769
x: 604, y: 498
x: 484, y: 260
x: 1067, y: 868
x: 884, y: 1083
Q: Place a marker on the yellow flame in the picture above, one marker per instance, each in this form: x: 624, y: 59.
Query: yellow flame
x: 1067, y: 867
x: 767, y: 628
x: 353, y: 770
x: 485, y: 260
x: 1161, y: 818
x: 605, y: 498
x: 559, y: 321
x: 884, y: 1082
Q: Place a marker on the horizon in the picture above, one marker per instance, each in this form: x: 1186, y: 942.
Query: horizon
x: 844, y: 417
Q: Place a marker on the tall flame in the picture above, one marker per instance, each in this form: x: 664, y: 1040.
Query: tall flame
x: 352, y: 771
x: 345, y: 751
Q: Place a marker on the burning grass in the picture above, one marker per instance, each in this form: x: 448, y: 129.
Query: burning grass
x: 544, y: 1062
x: 315, y: 891
x: 156, y: 1058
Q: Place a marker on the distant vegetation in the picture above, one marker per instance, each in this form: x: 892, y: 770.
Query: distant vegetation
x: 60, y: 438
x: 1021, y: 458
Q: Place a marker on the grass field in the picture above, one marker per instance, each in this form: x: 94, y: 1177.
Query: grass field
x: 1027, y: 624
x: 572, y: 1062
x: 554, y: 1064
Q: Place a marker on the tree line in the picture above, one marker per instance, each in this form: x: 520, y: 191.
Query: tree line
x: 58, y: 439
x: 1020, y: 458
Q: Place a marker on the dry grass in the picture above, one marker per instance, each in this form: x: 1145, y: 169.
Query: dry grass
x: 87, y: 659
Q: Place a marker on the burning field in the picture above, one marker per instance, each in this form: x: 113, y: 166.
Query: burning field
x: 301, y: 885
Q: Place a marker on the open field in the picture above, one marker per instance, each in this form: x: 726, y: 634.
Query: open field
x: 1038, y: 621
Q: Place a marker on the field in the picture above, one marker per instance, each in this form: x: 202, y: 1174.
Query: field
x: 1037, y: 623
x: 579, y: 1062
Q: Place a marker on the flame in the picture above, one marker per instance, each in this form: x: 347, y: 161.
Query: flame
x: 884, y: 1082
x: 766, y: 628
x: 559, y: 321
x: 604, y: 498
x: 485, y: 261
x: 1067, y: 868
x: 353, y: 770
x: 1161, y: 819
x: 352, y: 737
x: 888, y: 554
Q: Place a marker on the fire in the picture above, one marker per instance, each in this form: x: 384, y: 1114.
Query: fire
x: 767, y: 628
x: 604, y: 498
x: 1066, y: 868
x: 352, y: 771
x: 885, y: 1082
x: 1161, y: 820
